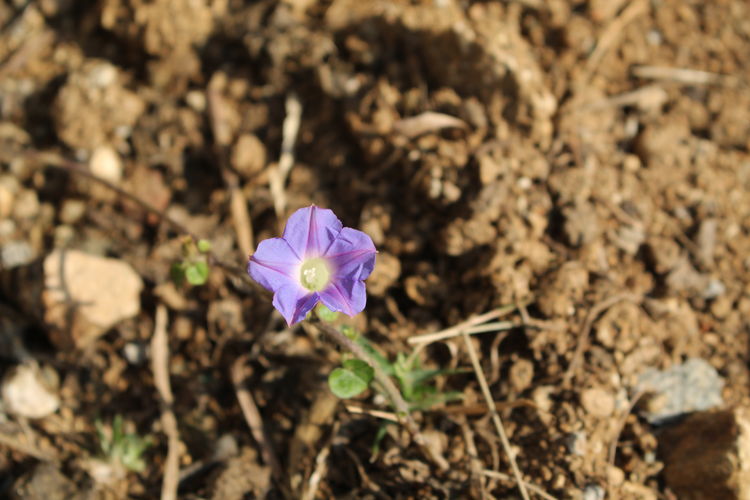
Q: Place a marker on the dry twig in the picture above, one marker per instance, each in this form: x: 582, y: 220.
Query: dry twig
x: 469, y: 324
x: 612, y: 32
x: 495, y: 415
x: 217, y: 114
x: 506, y: 477
x: 583, y: 335
x: 10, y: 441
x: 160, y: 368
x: 620, y: 424
x: 252, y: 417
x: 53, y: 160
x: 278, y: 176
x: 321, y: 466
x: 685, y: 76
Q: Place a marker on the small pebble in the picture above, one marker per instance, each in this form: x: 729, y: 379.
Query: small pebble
x: 593, y: 492
x: 31, y: 392
x: 598, y: 402
x: 16, y: 253
x: 106, y: 164
x: 72, y: 211
x: 135, y: 353
x: 26, y: 205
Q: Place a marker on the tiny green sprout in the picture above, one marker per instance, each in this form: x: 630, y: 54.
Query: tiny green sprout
x: 193, y: 267
x: 351, y: 379
x: 204, y: 246
x: 120, y: 447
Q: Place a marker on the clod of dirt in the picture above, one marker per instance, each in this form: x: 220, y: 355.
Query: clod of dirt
x: 563, y: 289
x: 248, y: 155
x: 242, y: 477
x: 521, y: 375
x: 705, y: 456
x: 684, y: 278
x: 163, y: 26
x: 581, y: 224
x: 598, y: 402
x: 44, y: 482
x: 30, y: 391
x: 86, y: 295
x: 385, y: 274
x: 664, y: 254
x: 692, y: 386
x: 93, y: 108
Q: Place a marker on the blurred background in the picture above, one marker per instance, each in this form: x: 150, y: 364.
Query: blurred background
x: 585, y: 163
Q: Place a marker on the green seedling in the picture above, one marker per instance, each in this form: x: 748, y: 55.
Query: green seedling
x: 120, y: 447
x: 193, y: 268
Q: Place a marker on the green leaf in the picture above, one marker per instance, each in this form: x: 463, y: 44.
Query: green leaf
x: 177, y: 273
x: 382, y: 361
x: 360, y: 368
x: 326, y: 314
x: 196, y: 273
x: 345, y: 383
x: 204, y: 246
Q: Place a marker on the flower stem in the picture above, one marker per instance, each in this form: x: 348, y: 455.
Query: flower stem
x: 402, y: 407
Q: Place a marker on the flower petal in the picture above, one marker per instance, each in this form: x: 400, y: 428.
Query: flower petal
x: 311, y: 230
x: 352, y: 254
x: 345, y: 295
x: 294, y: 302
x: 273, y: 264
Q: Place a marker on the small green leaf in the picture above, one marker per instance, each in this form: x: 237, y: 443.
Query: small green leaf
x: 204, y: 246
x: 345, y: 383
x: 326, y: 314
x: 177, y: 273
x: 360, y: 368
x: 196, y: 273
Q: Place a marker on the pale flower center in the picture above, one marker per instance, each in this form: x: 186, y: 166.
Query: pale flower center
x: 315, y: 274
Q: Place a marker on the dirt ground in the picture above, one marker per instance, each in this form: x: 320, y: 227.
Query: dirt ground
x: 586, y: 163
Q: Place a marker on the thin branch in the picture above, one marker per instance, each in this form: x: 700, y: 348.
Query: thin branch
x: 252, y: 417
x: 532, y: 487
x: 160, y: 368
x: 456, y: 330
x: 321, y: 466
x: 588, y: 323
x: 612, y: 32
x: 278, y: 176
x: 495, y: 415
x: 53, y: 160
x: 685, y: 76
x: 402, y: 407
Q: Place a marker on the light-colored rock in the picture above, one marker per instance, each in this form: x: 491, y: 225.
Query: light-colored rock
x: 248, y: 155
x: 26, y: 204
x: 106, y: 164
x: 30, y: 391
x: 692, y: 386
x: 86, y: 295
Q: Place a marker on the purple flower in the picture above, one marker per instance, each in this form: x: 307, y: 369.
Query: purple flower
x: 316, y: 259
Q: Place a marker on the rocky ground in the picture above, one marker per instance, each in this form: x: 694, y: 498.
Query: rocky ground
x: 583, y: 165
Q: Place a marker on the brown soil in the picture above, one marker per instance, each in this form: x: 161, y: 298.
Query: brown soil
x: 590, y: 159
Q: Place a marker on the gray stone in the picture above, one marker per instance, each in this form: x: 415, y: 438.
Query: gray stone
x: 692, y: 386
